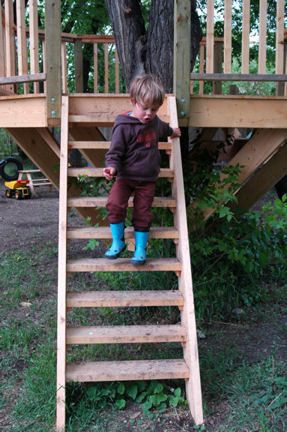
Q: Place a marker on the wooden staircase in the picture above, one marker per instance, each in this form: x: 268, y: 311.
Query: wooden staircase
x: 183, y: 333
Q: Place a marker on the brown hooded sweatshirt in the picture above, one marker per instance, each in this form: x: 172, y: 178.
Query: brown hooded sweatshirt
x: 134, y: 148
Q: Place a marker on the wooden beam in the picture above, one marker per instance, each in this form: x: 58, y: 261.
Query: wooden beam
x: 280, y: 37
x: 53, y: 61
x: 210, y: 36
x: 21, y: 42
x: 238, y: 77
x: 238, y: 111
x: 263, y: 179
x: 181, y: 67
x: 262, y: 36
x: 23, y: 78
x: 23, y: 111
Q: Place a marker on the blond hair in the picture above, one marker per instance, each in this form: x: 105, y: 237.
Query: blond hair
x: 147, y: 90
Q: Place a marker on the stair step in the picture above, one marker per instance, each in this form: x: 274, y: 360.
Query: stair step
x: 130, y: 370
x: 98, y: 119
x: 105, y: 145
x: 125, y: 334
x: 105, y: 233
x: 98, y: 172
x: 122, y: 264
x: 102, y: 201
x: 124, y: 298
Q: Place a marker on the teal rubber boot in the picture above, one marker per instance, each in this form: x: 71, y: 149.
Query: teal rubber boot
x: 141, y: 239
x: 118, y: 244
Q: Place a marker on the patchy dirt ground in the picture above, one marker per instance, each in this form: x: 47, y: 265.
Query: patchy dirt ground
x: 29, y: 222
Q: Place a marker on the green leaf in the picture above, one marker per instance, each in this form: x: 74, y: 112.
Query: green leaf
x: 121, y: 388
x: 132, y: 391
x: 120, y: 404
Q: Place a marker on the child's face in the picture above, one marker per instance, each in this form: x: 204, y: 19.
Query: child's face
x: 144, y: 112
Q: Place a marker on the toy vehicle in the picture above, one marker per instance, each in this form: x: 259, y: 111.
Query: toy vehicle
x: 18, y: 189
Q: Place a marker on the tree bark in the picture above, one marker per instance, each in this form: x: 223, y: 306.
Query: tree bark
x: 152, y: 50
x: 130, y: 34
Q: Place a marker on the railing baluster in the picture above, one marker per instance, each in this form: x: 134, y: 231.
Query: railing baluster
x: 280, y: 37
x: 22, y: 42
x: 210, y: 36
x: 117, y: 72
x: 9, y: 39
x: 96, y: 75
x: 106, y: 67
x: 64, y: 67
x: 245, y: 36
x: 34, y: 40
x: 262, y: 37
x: 2, y: 51
x: 227, y: 35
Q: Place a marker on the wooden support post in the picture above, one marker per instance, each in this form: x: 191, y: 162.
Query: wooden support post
x: 181, y: 66
x: 53, y: 61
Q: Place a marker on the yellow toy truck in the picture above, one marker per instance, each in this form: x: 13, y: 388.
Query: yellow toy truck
x: 17, y: 189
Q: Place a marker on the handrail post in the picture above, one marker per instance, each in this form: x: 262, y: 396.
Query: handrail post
x: 53, y: 61
x: 181, y: 62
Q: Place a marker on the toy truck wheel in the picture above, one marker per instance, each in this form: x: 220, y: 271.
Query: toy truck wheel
x: 18, y: 195
x: 8, y: 194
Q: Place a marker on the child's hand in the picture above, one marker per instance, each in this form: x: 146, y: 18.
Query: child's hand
x: 109, y: 173
x: 176, y: 133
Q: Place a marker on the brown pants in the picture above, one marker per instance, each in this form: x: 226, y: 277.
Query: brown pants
x: 143, y: 198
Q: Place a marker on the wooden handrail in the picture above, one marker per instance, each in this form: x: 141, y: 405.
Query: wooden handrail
x: 238, y: 77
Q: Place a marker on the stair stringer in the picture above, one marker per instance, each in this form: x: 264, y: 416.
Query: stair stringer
x: 193, y: 383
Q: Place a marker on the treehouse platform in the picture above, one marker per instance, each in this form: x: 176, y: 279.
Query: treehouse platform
x: 51, y: 108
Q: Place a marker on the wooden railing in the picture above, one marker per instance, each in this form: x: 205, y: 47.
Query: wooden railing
x: 216, y: 60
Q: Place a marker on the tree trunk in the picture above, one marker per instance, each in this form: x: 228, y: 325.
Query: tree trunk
x: 151, y: 51
x: 130, y: 34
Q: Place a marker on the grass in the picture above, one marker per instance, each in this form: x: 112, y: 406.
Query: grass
x: 254, y: 396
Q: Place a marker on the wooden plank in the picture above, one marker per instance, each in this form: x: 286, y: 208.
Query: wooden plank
x: 262, y: 36
x: 98, y: 172
x: 64, y: 67
x: 53, y: 61
x: 245, y: 36
x: 263, y: 179
x: 9, y: 39
x: 131, y: 370
x: 49, y: 139
x: 106, y: 107
x: 122, y: 264
x: 117, y: 72
x: 78, y: 53
x: 279, y: 67
x: 106, y: 67
x: 210, y: 36
x: 2, y: 49
x: 62, y: 280
x: 34, y: 40
x: 227, y: 35
x: 95, y: 53
x: 105, y: 233
x: 238, y: 77
x: 23, y: 112
x: 102, y: 202
x: 23, y: 78
x: 125, y: 334
x: 238, y: 111
x: 21, y: 41
x: 105, y: 145
x: 193, y: 385
x: 181, y: 68
x: 124, y: 299
x: 201, y: 68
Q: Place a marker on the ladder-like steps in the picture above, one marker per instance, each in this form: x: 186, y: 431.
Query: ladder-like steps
x: 122, y: 264
x: 104, y: 233
x: 130, y: 370
x: 105, y: 145
x: 98, y: 172
x: 126, y: 334
x: 102, y: 202
x: 124, y: 298
x: 98, y: 119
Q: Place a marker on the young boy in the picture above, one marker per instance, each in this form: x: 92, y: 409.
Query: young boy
x: 134, y: 159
